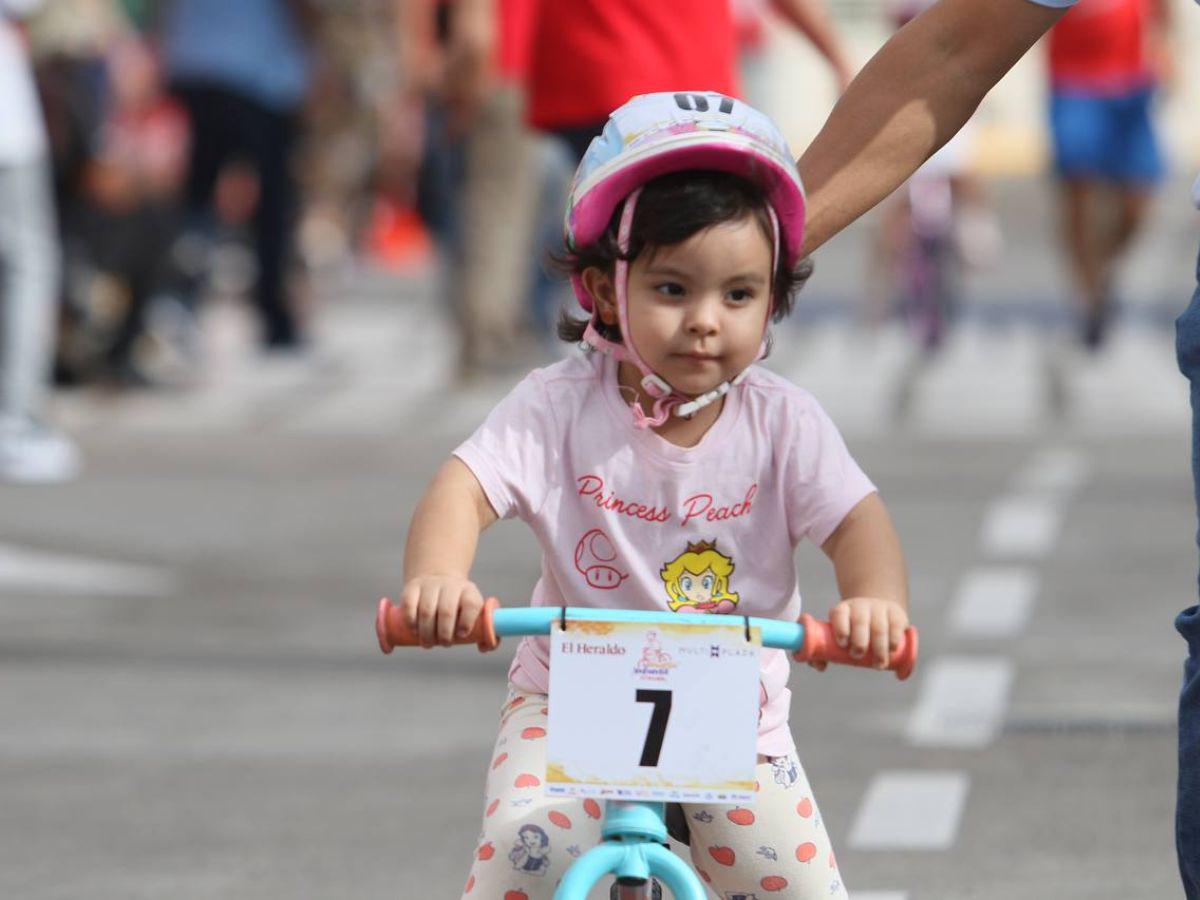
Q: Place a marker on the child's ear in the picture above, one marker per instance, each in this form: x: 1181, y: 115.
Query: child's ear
x: 600, y: 286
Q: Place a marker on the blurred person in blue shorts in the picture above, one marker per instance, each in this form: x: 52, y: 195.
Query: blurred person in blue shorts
x: 1104, y: 59
x: 29, y: 271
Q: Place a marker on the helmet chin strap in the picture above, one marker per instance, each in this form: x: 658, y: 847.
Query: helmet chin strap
x: 667, y: 400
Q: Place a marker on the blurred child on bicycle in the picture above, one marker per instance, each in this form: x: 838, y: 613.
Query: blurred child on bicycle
x: 663, y: 470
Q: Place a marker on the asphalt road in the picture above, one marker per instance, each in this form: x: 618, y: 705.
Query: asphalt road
x: 194, y: 706
x: 221, y: 724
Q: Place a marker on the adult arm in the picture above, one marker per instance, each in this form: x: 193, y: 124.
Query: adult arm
x: 913, y: 95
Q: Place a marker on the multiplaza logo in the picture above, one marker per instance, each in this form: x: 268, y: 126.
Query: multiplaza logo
x: 655, y: 663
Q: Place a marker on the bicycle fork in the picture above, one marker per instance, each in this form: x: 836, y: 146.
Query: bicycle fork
x: 633, y: 849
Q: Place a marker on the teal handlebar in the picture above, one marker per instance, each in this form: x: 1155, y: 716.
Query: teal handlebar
x: 809, y: 640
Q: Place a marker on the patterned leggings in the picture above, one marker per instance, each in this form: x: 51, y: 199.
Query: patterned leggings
x: 777, y: 847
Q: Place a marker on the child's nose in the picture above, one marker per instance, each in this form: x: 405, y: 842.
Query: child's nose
x: 704, y: 316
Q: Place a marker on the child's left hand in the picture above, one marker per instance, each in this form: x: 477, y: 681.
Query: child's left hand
x: 867, y: 625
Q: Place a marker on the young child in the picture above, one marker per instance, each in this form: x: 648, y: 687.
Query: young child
x: 664, y: 471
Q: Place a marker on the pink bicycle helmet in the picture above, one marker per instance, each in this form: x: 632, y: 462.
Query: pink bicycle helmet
x: 656, y: 134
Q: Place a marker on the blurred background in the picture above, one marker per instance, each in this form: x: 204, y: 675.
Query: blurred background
x: 266, y: 262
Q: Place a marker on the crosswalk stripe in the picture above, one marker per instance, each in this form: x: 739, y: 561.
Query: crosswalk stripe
x: 854, y: 373
x: 993, y: 602
x: 1132, y: 385
x: 983, y: 383
x: 1021, y: 528
x: 962, y: 702
x: 910, y: 810
x: 390, y: 360
x: 1053, y: 470
x: 38, y: 571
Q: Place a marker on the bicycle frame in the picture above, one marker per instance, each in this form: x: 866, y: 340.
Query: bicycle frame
x: 633, y: 845
x: 633, y: 848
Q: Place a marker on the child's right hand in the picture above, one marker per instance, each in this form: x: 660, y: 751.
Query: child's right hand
x: 441, y: 607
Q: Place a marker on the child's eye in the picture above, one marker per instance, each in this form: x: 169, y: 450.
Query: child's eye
x: 670, y: 289
x: 741, y: 295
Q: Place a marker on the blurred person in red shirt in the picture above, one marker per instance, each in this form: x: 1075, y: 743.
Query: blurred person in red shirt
x: 590, y: 56
x: 574, y: 62
x: 1106, y: 59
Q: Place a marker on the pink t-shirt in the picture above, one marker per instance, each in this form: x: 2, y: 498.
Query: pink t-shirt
x: 627, y: 519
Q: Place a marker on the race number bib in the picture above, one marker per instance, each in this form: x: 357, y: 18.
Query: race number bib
x: 653, y: 712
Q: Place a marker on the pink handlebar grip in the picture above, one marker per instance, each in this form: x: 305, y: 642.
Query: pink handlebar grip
x: 393, y: 630
x: 819, y: 644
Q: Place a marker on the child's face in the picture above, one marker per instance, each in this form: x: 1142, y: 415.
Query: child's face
x: 697, y: 309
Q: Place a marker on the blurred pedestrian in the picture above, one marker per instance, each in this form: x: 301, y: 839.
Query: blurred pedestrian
x: 29, y: 271
x: 756, y: 75
x: 465, y: 62
x: 943, y: 215
x: 504, y: 158
x: 1104, y: 63
x: 590, y: 56
x: 241, y: 69
x: 130, y: 322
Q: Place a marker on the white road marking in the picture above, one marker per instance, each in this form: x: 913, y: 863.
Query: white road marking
x: 854, y: 372
x: 41, y: 572
x: 907, y: 810
x: 1054, y: 470
x: 1131, y: 386
x: 962, y: 702
x: 1021, y: 528
x: 993, y: 602
x: 202, y: 412
x: 985, y: 381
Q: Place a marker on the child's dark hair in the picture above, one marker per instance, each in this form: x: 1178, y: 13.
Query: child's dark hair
x: 670, y: 209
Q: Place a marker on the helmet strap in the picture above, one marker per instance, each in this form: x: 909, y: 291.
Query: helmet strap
x: 667, y: 400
